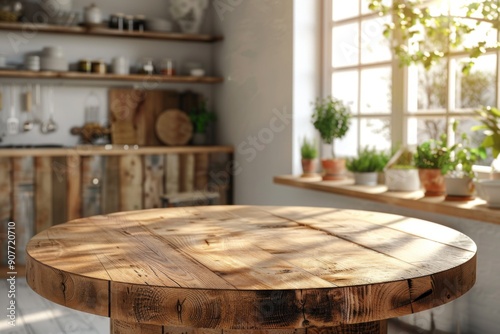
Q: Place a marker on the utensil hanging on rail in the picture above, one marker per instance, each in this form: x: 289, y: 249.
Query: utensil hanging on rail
x: 50, y: 125
x: 12, y: 121
x: 28, y: 105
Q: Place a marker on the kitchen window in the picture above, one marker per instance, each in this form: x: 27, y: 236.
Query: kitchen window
x: 394, y: 105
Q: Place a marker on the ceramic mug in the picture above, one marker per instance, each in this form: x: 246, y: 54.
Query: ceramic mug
x: 120, y: 65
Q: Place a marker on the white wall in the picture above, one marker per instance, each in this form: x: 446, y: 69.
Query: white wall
x: 70, y: 96
x: 270, y: 59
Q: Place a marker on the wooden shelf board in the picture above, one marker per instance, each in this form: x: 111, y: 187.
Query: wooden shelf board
x: 90, y: 150
x: 475, y: 209
x: 22, y: 74
x: 105, y: 32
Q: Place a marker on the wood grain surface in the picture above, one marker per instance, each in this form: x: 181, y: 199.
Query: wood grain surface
x: 266, y: 269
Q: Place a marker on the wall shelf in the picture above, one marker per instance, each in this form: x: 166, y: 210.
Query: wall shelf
x: 105, y: 32
x: 475, y: 210
x: 22, y: 74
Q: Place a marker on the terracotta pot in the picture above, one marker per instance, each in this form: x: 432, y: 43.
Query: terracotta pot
x: 334, y: 169
x: 309, y: 167
x: 433, y: 182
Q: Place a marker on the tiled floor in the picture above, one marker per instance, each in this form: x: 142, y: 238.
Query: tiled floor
x: 36, y: 315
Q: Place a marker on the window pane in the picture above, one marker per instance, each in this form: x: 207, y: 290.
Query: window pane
x: 348, y: 146
x: 345, y: 46
x: 376, y: 90
x: 342, y: 9
x: 478, y: 87
x: 374, y: 46
x: 345, y: 88
x: 422, y: 129
x: 465, y: 125
x: 376, y: 133
x: 432, y: 83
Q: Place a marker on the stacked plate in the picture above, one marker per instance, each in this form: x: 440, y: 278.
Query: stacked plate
x: 53, y: 59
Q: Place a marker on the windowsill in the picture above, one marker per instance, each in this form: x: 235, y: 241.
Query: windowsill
x: 475, y: 209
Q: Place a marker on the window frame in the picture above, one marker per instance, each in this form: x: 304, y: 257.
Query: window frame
x: 399, y: 111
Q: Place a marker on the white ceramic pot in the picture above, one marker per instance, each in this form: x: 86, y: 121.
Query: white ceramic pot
x: 120, y: 65
x: 93, y: 15
x: 402, y: 179
x: 459, y: 186
x: 489, y: 190
x: 366, y: 179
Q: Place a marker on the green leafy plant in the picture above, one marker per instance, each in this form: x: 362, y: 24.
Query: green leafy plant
x: 308, y: 149
x: 368, y: 160
x: 421, y: 35
x: 435, y: 154
x: 201, y: 117
x: 401, y: 159
x: 332, y: 118
x: 490, y: 119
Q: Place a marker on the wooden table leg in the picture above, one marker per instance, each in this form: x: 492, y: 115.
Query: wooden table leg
x: 120, y: 327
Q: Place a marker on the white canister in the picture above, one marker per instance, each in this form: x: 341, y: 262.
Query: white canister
x: 93, y: 14
x: 32, y: 63
x: 120, y: 65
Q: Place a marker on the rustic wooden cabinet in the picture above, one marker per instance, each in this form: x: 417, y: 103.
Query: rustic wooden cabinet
x: 40, y: 188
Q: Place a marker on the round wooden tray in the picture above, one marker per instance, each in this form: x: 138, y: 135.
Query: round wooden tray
x: 174, y: 128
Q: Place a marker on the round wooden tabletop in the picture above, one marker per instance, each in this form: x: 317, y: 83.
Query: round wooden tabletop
x: 264, y: 269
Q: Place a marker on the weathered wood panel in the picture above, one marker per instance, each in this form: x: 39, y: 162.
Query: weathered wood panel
x: 202, y: 162
x: 74, y: 184
x: 186, y: 172
x: 5, y: 205
x: 59, y: 190
x: 111, y: 185
x: 92, y: 185
x: 172, y: 165
x: 220, y: 176
x: 43, y: 193
x: 23, y: 178
x: 154, y: 173
x: 131, y: 177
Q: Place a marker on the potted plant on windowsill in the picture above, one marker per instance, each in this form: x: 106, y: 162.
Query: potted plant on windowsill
x: 201, y: 118
x: 460, y: 181
x: 490, y: 119
x: 309, y: 153
x: 401, y: 173
x: 433, y: 160
x: 331, y: 117
x: 366, y: 166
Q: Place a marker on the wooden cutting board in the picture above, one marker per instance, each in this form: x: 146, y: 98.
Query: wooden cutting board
x: 134, y: 113
x: 174, y: 128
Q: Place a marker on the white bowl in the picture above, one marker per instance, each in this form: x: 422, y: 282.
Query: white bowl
x: 489, y: 190
x: 53, y: 64
x: 197, y: 72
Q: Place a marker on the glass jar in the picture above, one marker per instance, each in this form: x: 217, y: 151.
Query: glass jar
x: 84, y: 65
x: 117, y: 21
x: 99, y: 67
x: 146, y: 66
x: 167, y: 67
